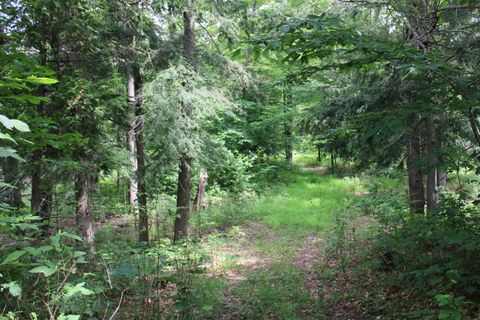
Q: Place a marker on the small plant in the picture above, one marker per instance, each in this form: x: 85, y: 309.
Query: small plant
x: 452, y: 308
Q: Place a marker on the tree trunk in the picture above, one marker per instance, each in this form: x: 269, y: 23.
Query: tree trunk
x: 132, y: 183
x: 142, y: 184
x: 287, y: 124
x: 288, y: 143
x: 183, y: 188
x: 202, y: 183
x: 41, y: 195
x: 432, y: 196
x: 441, y: 172
x: 183, y: 200
x: 189, y: 34
x: 415, y: 180
x: 332, y: 161
x: 84, y: 209
x: 319, y: 154
x: 12, y: 177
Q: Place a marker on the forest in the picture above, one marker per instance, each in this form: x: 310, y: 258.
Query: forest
x: 239, y: 159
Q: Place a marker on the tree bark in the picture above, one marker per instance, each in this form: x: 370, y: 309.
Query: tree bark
x: 287, y: 128
x: 415, y: 179
x: 83, y: 208
x: 189, y: 34
x: 432, y: 194
x: 12, y: 177
x: 202, y: 183
x: 41, y: 195
x: 184, y: 175
x: 132, y: 183
x: 441, y: 172
x: 141, y: 181
x: 183, y: 200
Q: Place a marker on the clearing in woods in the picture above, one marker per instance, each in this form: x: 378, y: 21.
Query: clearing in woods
x: 267, y: 268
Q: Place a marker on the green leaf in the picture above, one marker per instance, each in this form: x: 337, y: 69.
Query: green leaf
x: 15, y: 290
x: 9, y: 152
x: 14, y: 256
x: 6, y: 136
x: 13, y: 287
x: 47, y: 271
x: 37, y: 80
x: 71, y: 236
x: 79, y: 288
x: 68, y: 317
x: 20, y: 125
x: 6, y: 122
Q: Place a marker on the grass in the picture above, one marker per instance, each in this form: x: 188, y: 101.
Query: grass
x: 258, y: 242
x: 307, y: 204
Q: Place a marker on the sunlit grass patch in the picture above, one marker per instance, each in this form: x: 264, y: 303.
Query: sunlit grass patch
x: 307, y: 204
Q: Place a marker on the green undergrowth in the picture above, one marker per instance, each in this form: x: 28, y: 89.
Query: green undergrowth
x: 302, y: 201
x: 395, y: 264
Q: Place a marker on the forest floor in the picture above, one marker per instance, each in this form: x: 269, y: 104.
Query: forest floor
x: 270, y: 267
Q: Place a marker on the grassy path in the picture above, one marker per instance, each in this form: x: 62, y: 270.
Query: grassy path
x: 265, y: 268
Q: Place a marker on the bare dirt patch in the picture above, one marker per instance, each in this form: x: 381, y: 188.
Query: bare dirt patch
x: 315, y: 168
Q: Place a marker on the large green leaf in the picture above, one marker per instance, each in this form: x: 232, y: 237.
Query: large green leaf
x: 19, y: 125
x: 79, y: 288
x: 13, y: 288
x: 47, y: 271
x: 37, y: 80
x: 14, y: 256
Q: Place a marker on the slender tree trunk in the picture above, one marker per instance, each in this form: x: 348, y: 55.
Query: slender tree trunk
x: 432, y: 196
x: 41, y: 195
x: 132, y: 183
x: 475, y: 126
x: 288, y: 143
x: 12, y: 177
x: 202, y: 183
x: 332, y: 161
x: 287, y: 127
x: 83, y: 207
x: 415, y: 179
x: 183, y: 200
x: 142, y: 184
x: 319, y: 154
x: 441, y: 172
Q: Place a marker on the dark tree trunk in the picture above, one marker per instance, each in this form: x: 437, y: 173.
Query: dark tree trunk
x: 288, y: 143
x: 415, y: 180
x: 41, y: 195
x: 332, y: 161
x: 183, y: 200
x: 432, y: 196
x: 202, y: 183
x: 84, y: 209
x: 142, y: 184
x: 319, y: 154
x: 189, y: 35
x: 441, y: 172
x: 12, y: 177
x: 287, y: 124
x: 475, y: 126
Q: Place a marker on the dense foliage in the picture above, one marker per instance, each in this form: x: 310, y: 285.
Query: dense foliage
x: 137, y: 136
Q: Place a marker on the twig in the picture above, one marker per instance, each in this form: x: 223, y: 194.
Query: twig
x: 108, y: 273
x: 119, y: 304
x: 211, y: 38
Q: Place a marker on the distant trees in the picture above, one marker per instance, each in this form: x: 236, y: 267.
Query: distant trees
x: 405, y: 72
